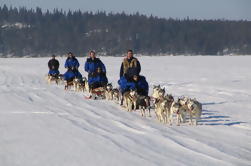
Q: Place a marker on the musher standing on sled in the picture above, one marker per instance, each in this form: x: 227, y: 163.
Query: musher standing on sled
x: 129, y: 67
x: 72, y: 64
x: 96, y: 72
x: 53, y: 66
x: 129, y: 63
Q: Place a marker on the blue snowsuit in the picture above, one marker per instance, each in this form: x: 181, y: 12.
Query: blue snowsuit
x: 96, y: 72
x: 72, y: 65
x: 141, y: 85
x: 53, y: 72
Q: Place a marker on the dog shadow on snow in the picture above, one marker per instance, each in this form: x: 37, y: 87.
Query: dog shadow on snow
x: 211, y: 117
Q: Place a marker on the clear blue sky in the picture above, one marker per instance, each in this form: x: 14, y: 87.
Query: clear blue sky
x: 199, y: 9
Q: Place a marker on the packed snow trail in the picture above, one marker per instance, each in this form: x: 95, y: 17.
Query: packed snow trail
x: 42, y: 124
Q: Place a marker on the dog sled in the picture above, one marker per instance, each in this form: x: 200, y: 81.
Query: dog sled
x: 97, y: 93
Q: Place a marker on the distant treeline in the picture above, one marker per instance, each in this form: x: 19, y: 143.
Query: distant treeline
x: 25, y: 32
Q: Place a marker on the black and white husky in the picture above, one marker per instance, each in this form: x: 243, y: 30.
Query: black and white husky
x: 130, y: 99
x: 109, y: 92
x: 143, y: 102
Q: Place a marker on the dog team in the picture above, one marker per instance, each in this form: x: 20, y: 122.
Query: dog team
x: 132, y: 92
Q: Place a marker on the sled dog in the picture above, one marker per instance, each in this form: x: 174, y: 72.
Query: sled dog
x: 143, y: 102
x: 130, y: 99
x: 162, y: 109
x: 51, y: 78
x: 87, y: 88
x: 116, y: 95
x: 60, y: 79
x: 194, y: 110
x: 180, y: 112
x: 191, y: 107
x: 158, y: 94
x: 156, y: 91
x: 68, y: 84
x: 79, y: 84
x: 109, y: 92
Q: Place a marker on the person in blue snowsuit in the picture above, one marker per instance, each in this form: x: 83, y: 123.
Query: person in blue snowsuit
x: 96, y: 71
x: 138, y: 82
x: 72, y: 64
x: 53, y: 66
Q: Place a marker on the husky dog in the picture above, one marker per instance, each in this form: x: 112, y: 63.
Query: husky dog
x: 116, y: 94
x: 87, y: 88
x: 79, y: 84
x: 60, y: 79
x: 109, y: 92
x: 156, y: 91
x: 68, y: 84
x: 76, y: 84
x: 161, y: 92
x: 160, y: 103
x: 85, y: 84
x: 195, y: 101
x: 191, y: 107
x: 183, y: 100
x: 194, y: 110
x: 51, y: 78
x: 144, y: 103
x: 130, y: 99
x: 158, y: 95
x: 178, y: 110
x: 169, y: 97
x: 162, y: 109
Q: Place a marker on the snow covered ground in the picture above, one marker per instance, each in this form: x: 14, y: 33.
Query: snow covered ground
x: 42, y: 124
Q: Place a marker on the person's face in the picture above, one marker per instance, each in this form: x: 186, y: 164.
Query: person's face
x: 135, y: 78
x: 70, y: 55
x: 92, y: 55
x: 129, y: 55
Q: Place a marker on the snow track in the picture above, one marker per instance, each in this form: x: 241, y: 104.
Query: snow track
x: 42, y: 124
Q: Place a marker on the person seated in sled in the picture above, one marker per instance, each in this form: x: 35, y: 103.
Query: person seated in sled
x: 141, y: 85
x: 53, y: 66
x: 72, y: 64
x: 133, y: 80
x: 129, y: 63
x: 96, y: 71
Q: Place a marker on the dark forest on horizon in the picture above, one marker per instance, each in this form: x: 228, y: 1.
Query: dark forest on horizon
x: 32, y: 32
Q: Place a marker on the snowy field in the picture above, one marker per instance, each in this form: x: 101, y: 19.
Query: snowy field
x: 43, y: 125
